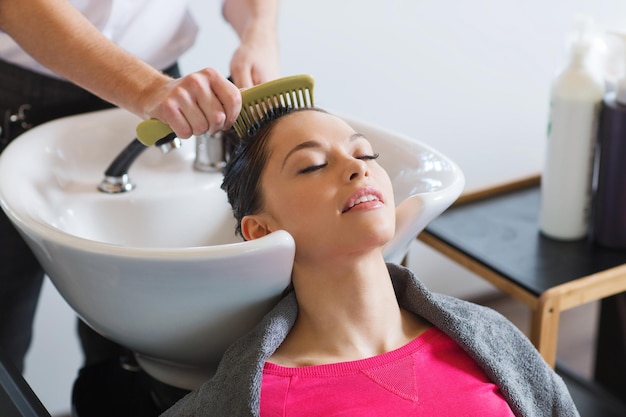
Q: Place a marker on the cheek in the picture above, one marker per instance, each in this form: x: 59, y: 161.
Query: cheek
x: 294, y: 209
x: 283, y: 206
x: 385, y: 183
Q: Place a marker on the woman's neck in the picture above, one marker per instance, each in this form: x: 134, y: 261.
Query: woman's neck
x: 347, y: 311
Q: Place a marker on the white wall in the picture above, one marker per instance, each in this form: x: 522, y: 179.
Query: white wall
x: 470, y: 78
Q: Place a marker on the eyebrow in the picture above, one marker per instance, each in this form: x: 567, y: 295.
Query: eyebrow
x: 315, y: 144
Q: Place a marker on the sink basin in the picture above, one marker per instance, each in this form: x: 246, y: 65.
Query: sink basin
x: 159, y: 269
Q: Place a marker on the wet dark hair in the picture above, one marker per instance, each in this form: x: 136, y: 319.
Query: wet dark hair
x: 248, y: 157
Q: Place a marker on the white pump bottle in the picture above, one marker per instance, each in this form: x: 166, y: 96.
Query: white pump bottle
x: 576, y: 98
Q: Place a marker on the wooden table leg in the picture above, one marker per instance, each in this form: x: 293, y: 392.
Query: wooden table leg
x: 544, y: 330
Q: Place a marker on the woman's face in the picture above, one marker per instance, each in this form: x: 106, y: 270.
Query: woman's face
x: 323, y: 185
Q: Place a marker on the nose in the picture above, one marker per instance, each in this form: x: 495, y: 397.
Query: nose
x: 355, y: 169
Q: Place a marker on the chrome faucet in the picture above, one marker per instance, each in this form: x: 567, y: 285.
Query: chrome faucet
x: 116, y: 179
x: 209, y: 152
x: 213, y: 151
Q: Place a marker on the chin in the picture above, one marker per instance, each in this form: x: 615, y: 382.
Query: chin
x: 380, y: 238
x: 385, y: 229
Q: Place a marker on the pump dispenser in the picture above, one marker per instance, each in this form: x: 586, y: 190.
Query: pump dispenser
x: 575, y: 101
x: 609, y: 226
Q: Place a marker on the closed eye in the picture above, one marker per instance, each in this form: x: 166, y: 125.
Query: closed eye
x: 311, y: 168
x: 314, y: 168
x: 368, y: 157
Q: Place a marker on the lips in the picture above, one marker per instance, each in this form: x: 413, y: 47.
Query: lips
x: 362, y: 196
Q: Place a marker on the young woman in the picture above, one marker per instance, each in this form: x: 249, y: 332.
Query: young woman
x: 357, y: 337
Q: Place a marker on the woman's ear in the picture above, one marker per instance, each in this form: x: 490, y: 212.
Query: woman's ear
x: 254, y: 226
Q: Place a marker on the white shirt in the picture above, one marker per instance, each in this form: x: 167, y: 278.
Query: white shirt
x: 156, y: 31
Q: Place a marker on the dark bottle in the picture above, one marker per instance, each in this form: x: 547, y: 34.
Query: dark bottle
x: 609, y: 213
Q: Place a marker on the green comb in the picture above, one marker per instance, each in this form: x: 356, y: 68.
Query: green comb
x: 151, y: 131
x: 294, y: 91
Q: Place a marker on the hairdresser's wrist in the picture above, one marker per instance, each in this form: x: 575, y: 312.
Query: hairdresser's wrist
x: 251, y: 17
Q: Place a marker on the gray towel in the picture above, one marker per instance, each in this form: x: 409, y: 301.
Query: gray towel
x: 528, y: 384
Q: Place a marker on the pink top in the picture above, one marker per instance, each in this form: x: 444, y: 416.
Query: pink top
x: 430, y: 376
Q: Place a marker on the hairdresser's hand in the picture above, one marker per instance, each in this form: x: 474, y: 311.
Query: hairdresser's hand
x: 199, y: 102
x: 255, y: 61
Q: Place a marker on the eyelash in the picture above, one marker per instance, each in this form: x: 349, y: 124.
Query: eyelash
x: 368, y: 157
x: 316, y: 167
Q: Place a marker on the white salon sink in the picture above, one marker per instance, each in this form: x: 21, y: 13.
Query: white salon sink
x: 159, y: 269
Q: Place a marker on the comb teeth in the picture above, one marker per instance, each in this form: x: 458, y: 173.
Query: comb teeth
x: 289, y: 92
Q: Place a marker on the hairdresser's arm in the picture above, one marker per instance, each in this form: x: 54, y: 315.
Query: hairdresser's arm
x: 59, y: 37
x: 256, y: 59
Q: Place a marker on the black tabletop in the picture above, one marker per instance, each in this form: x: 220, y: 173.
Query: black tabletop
x: 16, y: 397
x: 502, y: 233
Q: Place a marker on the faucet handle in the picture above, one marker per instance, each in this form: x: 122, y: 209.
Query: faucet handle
x: 151, y: 131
